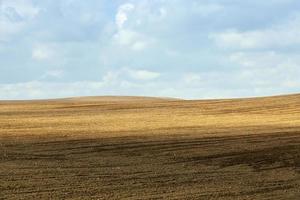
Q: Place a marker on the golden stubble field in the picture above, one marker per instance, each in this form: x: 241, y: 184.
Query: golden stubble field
x: 150, y: 148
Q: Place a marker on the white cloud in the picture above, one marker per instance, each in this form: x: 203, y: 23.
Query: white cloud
x: 112, y: 78
x: 258, y: 57
x: 132, y: 40
x: 139, y: 45
x: 15, y: 16
x: 247, y: 82
x: 266, y: 60
x: 24, y: 9
x: 42, y: 52
x: 119, y: 82
x: 160, y: 33
x: 44, y: 90
x: 127, y: 36
x: 143, y: 74
x: 122, y: 14
x: 281, y: 35
x: 162, y: 12
x: 268, y: 69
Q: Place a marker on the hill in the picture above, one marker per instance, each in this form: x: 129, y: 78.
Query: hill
x: 150, y: 148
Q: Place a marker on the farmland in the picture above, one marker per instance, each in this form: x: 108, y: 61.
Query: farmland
x: 150, y: 148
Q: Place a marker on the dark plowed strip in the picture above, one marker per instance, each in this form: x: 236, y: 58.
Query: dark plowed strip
x: 168, y: 167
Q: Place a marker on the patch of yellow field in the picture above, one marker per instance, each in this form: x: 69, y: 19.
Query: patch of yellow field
x: 125, y: 116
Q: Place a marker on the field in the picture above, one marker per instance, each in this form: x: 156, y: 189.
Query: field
x: 150, y: 148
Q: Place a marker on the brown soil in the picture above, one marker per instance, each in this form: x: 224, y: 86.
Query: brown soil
x: 150, y: 148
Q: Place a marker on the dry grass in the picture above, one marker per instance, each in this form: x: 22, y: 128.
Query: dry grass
x: 108, y: 116
x: 143, y: 148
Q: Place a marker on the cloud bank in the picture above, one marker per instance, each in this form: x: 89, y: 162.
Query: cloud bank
x: 186, y: 49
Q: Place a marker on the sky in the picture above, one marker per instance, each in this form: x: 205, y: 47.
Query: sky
x: 191, y: 49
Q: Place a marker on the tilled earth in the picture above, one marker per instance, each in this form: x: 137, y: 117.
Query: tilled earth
x: 262, y: 166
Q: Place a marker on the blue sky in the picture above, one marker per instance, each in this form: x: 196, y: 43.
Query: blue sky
x: 177, y: 48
